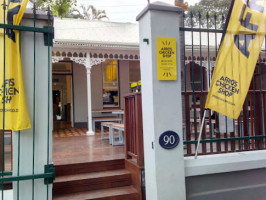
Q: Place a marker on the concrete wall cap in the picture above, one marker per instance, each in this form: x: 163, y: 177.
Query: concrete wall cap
x: 160, y: 6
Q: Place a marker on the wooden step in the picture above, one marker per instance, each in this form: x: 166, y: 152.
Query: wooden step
x: 120, y: 193
x: 91, y: 181
x: 78, y: 168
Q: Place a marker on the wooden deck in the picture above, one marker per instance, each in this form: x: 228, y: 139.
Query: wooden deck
x: 72, y: 145
x: 88, y: 167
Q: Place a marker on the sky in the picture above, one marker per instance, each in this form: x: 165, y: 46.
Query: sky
x: 123, y: 10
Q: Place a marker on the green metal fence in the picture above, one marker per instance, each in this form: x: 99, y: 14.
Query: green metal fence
x: 220, y: 134
x: 7, y: 176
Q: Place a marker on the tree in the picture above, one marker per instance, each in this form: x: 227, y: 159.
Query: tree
x: 88, y: 13
x: 218, y: 8
x: 58, y: 7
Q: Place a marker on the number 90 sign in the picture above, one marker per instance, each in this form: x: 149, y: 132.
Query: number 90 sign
x: 169, y: 140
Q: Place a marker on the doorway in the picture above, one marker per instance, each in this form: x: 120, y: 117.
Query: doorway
x: 62, y: 95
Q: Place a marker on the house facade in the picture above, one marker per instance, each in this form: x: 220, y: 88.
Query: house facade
x: 95, y: 62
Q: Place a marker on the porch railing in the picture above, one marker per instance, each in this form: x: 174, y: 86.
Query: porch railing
x: 247, y: 132
x: 202, y: 37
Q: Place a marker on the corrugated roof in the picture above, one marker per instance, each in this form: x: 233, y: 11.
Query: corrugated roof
x: 80, y: 31
x: 105, y: 32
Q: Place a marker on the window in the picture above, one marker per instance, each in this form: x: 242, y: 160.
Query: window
x: 110, y: 84
x: 62, y: 68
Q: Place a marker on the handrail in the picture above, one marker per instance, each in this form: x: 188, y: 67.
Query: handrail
x: 47, y: 29
x: 27, y: 177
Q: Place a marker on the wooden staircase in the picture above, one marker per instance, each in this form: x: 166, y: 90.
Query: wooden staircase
x: 102, y: 180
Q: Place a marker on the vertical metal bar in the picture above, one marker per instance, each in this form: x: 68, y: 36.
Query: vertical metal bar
x: 247, y: 114
x: 217, y: 120
x: 193, y: 78
x: 226, y: 130
x: 4, y: 100
x: 252, y: 124
x: 254, y: 107
x: 234, y: 135
x: 18, y: 164
x: 261, y: 128
x: 34, y: 95
x: 185, y: 88
x: 208, y: 38
x: 49, y: 83
x: 201, y: 88
x: 238, y: 131
x: 218, y: 135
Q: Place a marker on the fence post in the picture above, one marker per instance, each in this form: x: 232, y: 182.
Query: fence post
x: 162, y: 105
x: 32, y: 148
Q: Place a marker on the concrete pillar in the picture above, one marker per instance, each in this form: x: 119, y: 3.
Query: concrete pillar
x: 88, y: 68
x: 162, y: 106
x: 32, y: 148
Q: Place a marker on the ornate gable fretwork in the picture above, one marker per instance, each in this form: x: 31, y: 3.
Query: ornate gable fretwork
x: 96, y: 61
x: 56, y: 59
x: 80, y: 58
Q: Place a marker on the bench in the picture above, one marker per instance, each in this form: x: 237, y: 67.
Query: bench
x: 104, y: 119
x: 112, y: 127
x: 108, y: 125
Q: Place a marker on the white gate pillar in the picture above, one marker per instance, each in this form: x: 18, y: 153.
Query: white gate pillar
x: 88, y: 68
x: 162, y: 106
x: 32, y: 148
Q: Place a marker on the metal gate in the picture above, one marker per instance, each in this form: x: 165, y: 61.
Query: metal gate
x: 26, y: 155
x: 220, y: 134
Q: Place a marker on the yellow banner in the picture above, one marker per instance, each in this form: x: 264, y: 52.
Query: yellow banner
x: 237, y: 57
x: 166, y: 59
x: 13, y: 109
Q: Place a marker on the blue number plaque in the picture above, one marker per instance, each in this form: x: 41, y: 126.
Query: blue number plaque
x: 169, y: 140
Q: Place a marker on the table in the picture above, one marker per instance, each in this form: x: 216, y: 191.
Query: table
x: 109, y: 110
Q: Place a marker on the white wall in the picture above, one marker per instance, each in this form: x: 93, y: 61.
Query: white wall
x: 240, y: 175
x: 80, y: 88
x: 97, y: 87
x: 80, y: 93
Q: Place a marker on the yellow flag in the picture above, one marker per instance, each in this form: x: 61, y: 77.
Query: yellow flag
x: 13, y: 109
x: 237, y: 57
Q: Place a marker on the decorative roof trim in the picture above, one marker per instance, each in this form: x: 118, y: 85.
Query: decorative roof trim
x: 88, y: 43
x: 82, y: 61
x: 79, y: 55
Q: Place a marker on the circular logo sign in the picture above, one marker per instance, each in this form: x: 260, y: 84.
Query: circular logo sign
x: 169, y: 140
